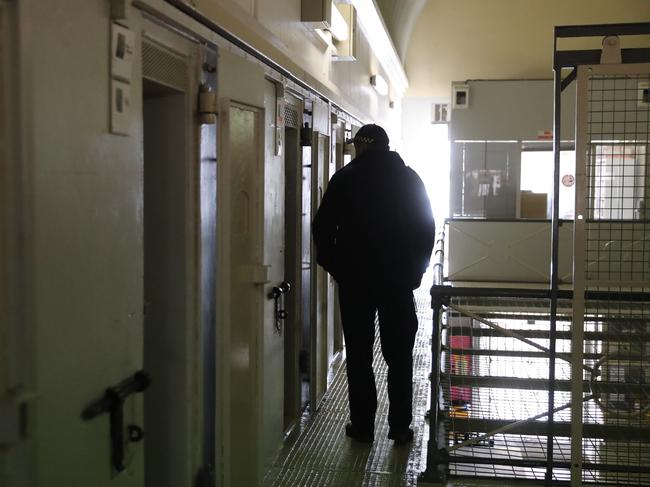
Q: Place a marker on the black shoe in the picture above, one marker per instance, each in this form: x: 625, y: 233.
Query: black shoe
x: 360, y: 436
x: 401, y: 436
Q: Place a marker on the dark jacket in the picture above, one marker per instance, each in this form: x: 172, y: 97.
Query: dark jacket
x: 374, y: 226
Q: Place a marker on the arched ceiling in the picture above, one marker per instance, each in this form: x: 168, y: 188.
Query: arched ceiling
x: 400, y: 17
x: 441, y: 41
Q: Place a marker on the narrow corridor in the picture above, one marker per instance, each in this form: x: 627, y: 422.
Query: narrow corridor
x: 322, y: 456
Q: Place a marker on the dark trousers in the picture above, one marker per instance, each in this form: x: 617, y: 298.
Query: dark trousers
x: 397, y: 327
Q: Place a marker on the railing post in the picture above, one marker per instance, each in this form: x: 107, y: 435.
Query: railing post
x: 437, y: 458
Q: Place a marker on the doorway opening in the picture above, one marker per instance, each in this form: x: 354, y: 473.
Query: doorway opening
x: 292, y: 272
x: 306, y: 285
x: 298, y: 266
x: 165, y: 277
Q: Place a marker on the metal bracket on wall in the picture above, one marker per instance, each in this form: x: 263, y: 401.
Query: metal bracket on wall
x: 207, y: 109
x: 611, y: 51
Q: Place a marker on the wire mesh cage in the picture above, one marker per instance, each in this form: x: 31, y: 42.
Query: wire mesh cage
x: 495, y: 389
x: 494, y: 375
x: 499, y: 409
x: 616, y: 242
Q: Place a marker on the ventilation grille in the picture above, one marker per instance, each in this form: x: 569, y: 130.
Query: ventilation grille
x: 291, y: 117
x: 163, y: 66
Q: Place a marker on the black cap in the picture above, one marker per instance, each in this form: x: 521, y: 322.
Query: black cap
x: 372, y: 134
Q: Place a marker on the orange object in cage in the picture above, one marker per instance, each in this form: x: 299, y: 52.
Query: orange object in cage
x: 461, y: 364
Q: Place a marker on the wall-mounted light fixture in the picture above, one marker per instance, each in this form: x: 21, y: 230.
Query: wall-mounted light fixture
x: 379, y: 84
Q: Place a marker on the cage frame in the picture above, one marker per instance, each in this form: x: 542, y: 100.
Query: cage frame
x: 437, y: 457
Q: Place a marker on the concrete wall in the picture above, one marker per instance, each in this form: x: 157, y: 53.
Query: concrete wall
x: 274, y: 28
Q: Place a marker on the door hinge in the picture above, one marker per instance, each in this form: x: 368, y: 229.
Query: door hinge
x: 207, y: 105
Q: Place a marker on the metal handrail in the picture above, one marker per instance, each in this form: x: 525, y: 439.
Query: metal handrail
x: 438, y: 452
x: 435, y: 445
x: 439, y: 259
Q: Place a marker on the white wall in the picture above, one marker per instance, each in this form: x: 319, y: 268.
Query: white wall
x: 511, y: 110
x: 514, y: 251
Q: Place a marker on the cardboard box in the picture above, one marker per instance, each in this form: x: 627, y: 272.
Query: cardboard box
x: 533, y: 205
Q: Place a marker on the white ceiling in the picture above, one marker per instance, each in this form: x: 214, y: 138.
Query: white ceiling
x: 442, y: 41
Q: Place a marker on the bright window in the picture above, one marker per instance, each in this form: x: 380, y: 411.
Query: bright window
x: 429, y: 157
x: 618, y: 184
x: 537, y: 176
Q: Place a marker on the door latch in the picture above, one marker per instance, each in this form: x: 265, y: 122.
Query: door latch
x: 113, y: 403
x: 277, y: 295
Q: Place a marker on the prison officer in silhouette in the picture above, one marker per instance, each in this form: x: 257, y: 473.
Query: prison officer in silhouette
x: 374, y: 232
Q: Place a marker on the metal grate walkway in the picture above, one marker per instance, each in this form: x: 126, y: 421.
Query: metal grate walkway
x: 322, y: 456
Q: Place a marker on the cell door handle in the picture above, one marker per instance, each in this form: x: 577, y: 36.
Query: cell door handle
x: 112, y: 402
x: 277, y: 295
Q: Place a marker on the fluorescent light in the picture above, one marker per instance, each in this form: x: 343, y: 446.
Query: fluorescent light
x: 339, y: 27
x: 379, y: 84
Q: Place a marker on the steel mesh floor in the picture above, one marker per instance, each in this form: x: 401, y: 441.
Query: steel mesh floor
x: 322, y: 456
x: 493, y: 381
